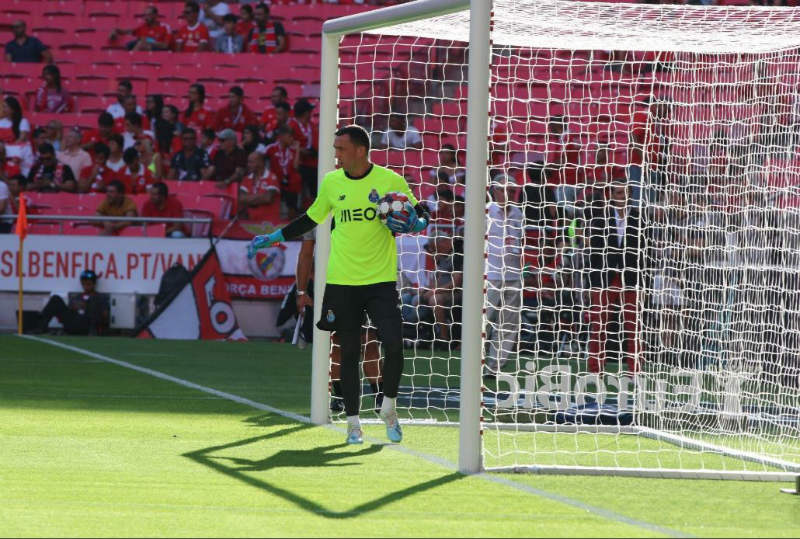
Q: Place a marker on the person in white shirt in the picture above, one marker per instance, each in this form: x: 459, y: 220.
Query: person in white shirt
x: 505, y: 223
x: 5, y: 208
x: 23, y: 154
x: 212, y: 14
x: 124, y: 90
x: 401, y: 135
x: 116, y: 146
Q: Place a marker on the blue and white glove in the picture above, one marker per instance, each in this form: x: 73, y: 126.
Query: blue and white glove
x: 264, y: 240
x: 405, y: 221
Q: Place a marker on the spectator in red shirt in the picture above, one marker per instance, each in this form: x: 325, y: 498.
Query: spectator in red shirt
x: 284, y: 158
x: 134, y: 129
x: 245, y: 23
x: 96, y: 177
x: 269, y: 117
x: 129, y: 106
x: 236, y: 115
x: 160, y: 204
x: 281, y: 119
x: 193, y: 37
x: 51, y: 96
x: 306, y: 133
x: 8, y: 167
x: 266, y: 36
x: 135, y: 176
x: 197, y: 116
x: 152, y: 35
x: 105, y: 128
x: 259, y: 192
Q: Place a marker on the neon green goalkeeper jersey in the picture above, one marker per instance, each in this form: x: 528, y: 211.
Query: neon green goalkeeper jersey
x: 363, y: 250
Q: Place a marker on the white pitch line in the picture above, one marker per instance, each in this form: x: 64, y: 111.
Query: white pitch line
x: 599, y: 511
x: 179, y: 381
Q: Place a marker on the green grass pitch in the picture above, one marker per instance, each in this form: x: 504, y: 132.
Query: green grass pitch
x: 90, y: 448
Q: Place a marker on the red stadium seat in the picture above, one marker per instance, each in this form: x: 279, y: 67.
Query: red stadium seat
x: 41, y: 119
x: 167, y: 89
x: 216, y: 206
x: 23, y: 89
x: 16, y: 8
x: 53, y: 200
x: 199, y: 230
x: 81, y: 229
x: 304, y: 27
x: 93, y: 105
x: 99, y: 72
x: 44, y: 228
x: 90, y: 200
x: 21, y: 70
x: 192, y: 189
x: 178, y: 73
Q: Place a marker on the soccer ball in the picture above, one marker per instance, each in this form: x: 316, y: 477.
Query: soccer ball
x: 391, y: 202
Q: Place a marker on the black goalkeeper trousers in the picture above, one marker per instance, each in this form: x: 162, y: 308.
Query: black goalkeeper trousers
x: 343, y: 309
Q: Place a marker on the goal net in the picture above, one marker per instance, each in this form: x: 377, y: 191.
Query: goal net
x: 642, y: 249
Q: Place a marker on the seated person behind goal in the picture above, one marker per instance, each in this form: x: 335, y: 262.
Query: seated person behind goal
x: 400, y: 134
x: 160, y: 204
x: 260, y: 192
x: 191, y: 163
x: 116, y: 204
x: 48, y: 175
x: 86, y: 314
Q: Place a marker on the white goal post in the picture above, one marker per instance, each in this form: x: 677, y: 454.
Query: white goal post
x: 478, y: 125
x: 706, y: 99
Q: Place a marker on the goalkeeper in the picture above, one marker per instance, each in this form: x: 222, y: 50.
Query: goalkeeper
x: 362, y: 268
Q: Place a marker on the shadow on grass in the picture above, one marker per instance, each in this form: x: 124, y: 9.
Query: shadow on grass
x: 242, y: 469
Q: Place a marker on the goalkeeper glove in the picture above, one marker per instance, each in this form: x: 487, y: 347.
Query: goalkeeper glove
x: 265, y: 240
x: 405, y: 221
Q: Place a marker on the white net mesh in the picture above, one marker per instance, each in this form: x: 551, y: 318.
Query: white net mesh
x: 642, y: 249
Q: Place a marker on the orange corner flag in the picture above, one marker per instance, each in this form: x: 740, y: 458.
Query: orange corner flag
x: 22, y: 219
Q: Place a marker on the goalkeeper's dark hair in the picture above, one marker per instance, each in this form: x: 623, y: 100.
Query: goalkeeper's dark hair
x: 358, y: 135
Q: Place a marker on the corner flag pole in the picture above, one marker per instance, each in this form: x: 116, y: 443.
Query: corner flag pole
x: 21, y: 231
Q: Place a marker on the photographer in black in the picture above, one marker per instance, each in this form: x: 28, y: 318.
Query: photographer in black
x: 86, y: 314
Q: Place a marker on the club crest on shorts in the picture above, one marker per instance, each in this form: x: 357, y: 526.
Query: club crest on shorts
x: 330, y: 317
x: 374, y: 197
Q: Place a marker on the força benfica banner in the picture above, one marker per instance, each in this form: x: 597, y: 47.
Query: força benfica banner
x: 135, y: 265
x: 200, y: 310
